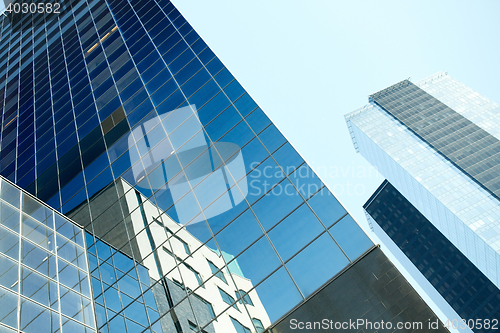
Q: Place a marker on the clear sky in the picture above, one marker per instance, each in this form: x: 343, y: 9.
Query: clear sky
x: 307, y: 63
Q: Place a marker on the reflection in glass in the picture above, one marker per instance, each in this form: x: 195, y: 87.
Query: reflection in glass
x: 295, y: 231
x: 318, y: 262
x: 212, y: 182
x: 40, y: 288
x: 171, y: 264
x: 350, y: 237
x: 278, y: 294
x: 271, y: 208
x: 247, y: 229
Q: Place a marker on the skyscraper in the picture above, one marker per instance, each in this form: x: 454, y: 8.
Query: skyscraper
x: 198, y: 214
x: 436, y: 143
x: 449, y: 278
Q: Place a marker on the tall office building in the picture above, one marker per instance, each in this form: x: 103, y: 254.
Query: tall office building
x: 437, y: 143
x: 198, y: 214
x: 449, y: 278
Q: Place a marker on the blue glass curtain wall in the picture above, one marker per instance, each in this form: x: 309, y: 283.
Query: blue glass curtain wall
x: 117, y: 114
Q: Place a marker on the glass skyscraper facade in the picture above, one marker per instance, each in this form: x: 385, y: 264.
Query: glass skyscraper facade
x: 436, y: 142
x: 198, y: 214
x: 44, y: 275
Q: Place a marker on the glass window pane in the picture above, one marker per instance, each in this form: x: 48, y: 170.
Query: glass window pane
x: 272, y: 138
x: 256, y: 262
x: 306, y: 181
x: 117, y: 324
x: 129, y: 286
x: 257, y: 120
x: 235, y: 139
x: 278, y: 294
x: 252, y: 153
x: 10, y: 194
x: 225, y: 209
x: 239, y: 234
x: 65, y: 228
x: 35, y: 209
x: 288, y: 158
x: 66, y: 250
x: 38, y: 233
x: 68, y: 275
x: 185, y: 131
x: 185, y: 209
x: 327, y: 207
x: 278, y: 203
x: 8, y: 273
x: 137, y: 312
x: 38, y: 288
x: 261, y: 180
x: 8, y: 310
x: 38, y: 259
x: 72, y: 326
x: 122, y: 262
x: 107, y: 273
x: 295, y: 231
x: 9, y: 243
x: 258, y: 325
x: 9, y: 217
x: 215, y: 270
x: 350, y: 237
x: 223, y: 123
x: 192, y: 149
x: 316, y: 264
x: 35, y: 318
x: 174, y: 118
x: 227, y: 298
x: 245, y: 104
x: 239, y: 327
x: 212, y: 187
x: 112, y: 299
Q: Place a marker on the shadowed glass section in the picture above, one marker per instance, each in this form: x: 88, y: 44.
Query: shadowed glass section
x: 468, y: 291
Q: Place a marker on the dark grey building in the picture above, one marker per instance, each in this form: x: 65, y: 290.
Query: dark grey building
x: 460, y: 283
x: 436, y: 142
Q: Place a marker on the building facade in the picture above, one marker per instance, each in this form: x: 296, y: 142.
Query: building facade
x: 44, y: 274
x: 198, y: 214
x: 436, y: 143
x: 453, y: 282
